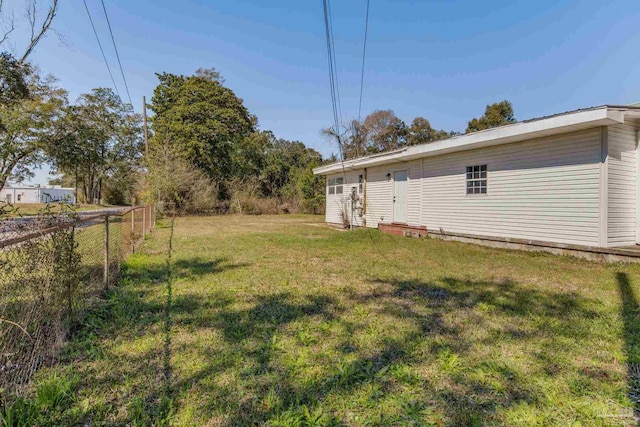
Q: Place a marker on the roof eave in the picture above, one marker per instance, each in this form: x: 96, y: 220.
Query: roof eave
x: 516, y: 132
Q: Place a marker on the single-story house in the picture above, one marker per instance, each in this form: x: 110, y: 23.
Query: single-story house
x: 37, y: 194
x: 566, y: 179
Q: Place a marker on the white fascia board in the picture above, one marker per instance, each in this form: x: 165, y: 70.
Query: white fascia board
x: 632, y: 114
x: 362, y: 162
x: 501, y: 135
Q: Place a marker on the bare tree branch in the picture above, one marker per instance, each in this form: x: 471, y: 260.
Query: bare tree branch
x: 61, y: 38
x: 30, y: 13
x: 37, y: 35
x: 6, y: 33
x: 11, y: 24
x: 17, y: 326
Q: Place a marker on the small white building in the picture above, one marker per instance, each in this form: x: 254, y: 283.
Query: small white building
x: 567, y: 179
x: 37, y: 194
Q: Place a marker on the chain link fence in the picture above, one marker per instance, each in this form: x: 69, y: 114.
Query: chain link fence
x: 52, y: 269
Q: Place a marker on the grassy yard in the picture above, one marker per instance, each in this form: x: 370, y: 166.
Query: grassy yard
x: 280, y: 321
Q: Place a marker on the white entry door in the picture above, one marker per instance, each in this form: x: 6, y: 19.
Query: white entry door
x: 400, y: 196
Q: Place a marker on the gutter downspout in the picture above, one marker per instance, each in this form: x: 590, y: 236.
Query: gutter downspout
x: 638, y: 186
x: 603, y: 239
x: 364, y: 198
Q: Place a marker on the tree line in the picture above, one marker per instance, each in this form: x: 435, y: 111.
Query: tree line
x: 94, y: 143
x: 208, y: 153
x: 383, y: 131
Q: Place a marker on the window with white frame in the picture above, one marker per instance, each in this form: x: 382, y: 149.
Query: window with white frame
x: 360, y: 183
x: 477, y: 179
x: 334, y: 185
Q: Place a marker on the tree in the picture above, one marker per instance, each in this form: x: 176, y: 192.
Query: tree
x: 13, y: 80
x: 355, y: 140
x: 105, y: 142
x: 210, y: 74
x: 380, y: 131
x: 55, y: 181
x: 205, y: 120
x: 175, y: 184
x: 123, y: 186
x: 421, y: 132
x: 249, y: 155
x: 349, y: 140
x: 30, y: 108
x: 211, y: 132
x: 30, y: 126
x: 309, y: 189
x: 38, y: 26
x: 284, y: 157
x: 498, y: 114
x: 384, y: 131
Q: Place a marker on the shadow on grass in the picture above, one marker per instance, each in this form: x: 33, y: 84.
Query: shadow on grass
x: 242, y: 328
x: 143, y: 304
x: 174, y: 270
x: 247, y: 381
x: 503, y: 297
x: 168, y: 322
x: 471, y: 402
x: 631, y: 319
x: 270, y: 313
x: 252, y: 334
x: 182, y: 268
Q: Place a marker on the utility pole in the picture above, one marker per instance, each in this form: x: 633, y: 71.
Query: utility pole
x: 146, y: 134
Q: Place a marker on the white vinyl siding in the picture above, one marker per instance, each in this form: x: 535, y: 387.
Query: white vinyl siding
x: 414, y: 194
x: 380, y: 193
x: 379, y: 196
x: 574, y: 188
x: 621, y: 191
x: 342, y: 202
x: 545, y: 189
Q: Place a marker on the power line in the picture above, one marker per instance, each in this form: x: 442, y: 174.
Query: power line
x: 330, y: 62
x: 101, y: 50
x: 332, y: 74
x: 333, y: 83
x: 364, y: 52
x: 116, y: 49
x: 335, y: 63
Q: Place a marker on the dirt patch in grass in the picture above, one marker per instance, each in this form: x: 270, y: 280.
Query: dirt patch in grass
x: 271, y: 320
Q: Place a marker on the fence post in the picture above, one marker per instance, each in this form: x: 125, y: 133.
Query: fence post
x: 133, y: 230
x: 144, y: 222
x: 106, y: 253
x: 69, y: 283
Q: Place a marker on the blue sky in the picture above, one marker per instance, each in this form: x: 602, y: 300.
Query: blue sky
x: 443, y: 60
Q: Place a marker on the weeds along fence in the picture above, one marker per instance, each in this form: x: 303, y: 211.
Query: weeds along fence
x: 52, y: 269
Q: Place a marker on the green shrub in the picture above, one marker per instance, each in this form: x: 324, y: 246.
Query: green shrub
x: 53, y: 392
